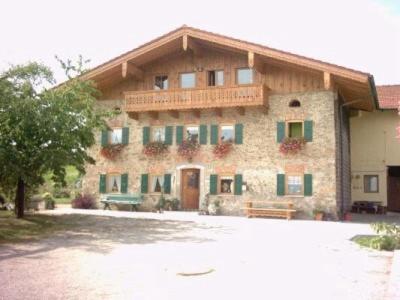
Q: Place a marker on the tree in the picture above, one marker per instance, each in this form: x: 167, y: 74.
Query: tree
x: 44, y: 130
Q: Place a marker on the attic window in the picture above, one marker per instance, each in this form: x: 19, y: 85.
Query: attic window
x: 294, y: 103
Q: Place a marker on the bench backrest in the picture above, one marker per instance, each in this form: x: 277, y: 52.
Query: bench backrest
x: 125, y: 197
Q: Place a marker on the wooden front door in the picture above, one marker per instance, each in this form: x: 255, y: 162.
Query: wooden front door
x: 190, y: 181
x: 394, y: 193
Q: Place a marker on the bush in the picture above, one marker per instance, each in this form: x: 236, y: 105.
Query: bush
x: 49, y: 202
x: 389, y: 236
x: 84, y: 201
x: 61, y: 193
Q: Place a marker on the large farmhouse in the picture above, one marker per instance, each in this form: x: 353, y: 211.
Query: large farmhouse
x: 206, y: 117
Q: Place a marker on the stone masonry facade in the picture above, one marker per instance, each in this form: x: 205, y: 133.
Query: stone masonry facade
x: 257, y: 159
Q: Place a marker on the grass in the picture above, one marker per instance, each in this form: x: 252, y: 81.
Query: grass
x: 31, y: 227
x: 71, y: 177
x: 364, y: 240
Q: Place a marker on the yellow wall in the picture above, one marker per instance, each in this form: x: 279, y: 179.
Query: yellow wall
x: 374, y: 146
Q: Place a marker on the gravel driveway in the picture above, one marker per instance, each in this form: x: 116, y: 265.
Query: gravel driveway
x: 180, y: 255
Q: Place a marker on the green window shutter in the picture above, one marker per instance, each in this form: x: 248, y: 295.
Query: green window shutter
x: 104, y: 138
x: 238, y: 184
x: 280, y: 184
x: 214, y: 134
x: 179, y: 135
x: 280, y: 131
x: 125, y: 135
x: 144, y: 183
x: 239, y: 134
x: 124, y: 183
x: 203, y: 134
x: 168, y: 135
x: 167, y: 183
x: 102, y: 184
x: 308, y: 185
x: 213, y: 184
x: 308, y: 130
x: 146, y: 135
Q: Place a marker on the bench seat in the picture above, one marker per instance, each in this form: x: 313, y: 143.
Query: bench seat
x: 130, y: 199
x: 263, y: 211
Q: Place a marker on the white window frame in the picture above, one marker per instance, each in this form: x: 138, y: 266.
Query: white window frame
x: 246, y: 83
x: 301, y: 176
x: 112, y: 140
x: 186, y: 132
x: 226, y: 177
x: 187, y: 73
x: 153, y: 133
x: 153, y: 178
x: 109, y: 184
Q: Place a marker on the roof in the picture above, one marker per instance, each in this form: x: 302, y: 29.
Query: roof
x: 388, y: 96
x: 356, y: 86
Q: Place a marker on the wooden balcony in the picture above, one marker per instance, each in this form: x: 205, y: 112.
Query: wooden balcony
x: 195, y: 99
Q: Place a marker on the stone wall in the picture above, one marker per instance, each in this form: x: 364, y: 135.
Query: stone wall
x: 258, y: 159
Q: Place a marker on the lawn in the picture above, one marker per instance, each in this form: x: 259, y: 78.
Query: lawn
x: 31, y: 227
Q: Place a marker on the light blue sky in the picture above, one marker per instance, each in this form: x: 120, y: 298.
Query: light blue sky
x: 359, y: 34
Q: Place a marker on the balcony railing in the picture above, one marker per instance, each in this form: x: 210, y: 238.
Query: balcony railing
x: 215, y: 97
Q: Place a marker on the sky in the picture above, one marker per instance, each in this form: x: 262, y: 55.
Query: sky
x: 359, y: 34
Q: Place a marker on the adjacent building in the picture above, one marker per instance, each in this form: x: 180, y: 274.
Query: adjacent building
x: 375, y: 151
x: 207, y: 118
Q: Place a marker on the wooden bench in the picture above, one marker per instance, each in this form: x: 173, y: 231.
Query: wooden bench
x: 267, y: 209
x: 130, y: 199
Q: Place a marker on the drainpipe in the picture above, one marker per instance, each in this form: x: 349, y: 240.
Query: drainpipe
x: 341, y: 105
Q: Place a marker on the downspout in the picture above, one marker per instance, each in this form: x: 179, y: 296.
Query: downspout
x: 341, y: 105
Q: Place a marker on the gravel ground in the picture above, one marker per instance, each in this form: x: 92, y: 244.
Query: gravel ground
x: 124, y: 255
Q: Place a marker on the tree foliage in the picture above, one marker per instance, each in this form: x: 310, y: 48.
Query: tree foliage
x: 44, y: 130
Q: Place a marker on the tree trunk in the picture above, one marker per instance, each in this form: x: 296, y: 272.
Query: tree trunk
x: 20, y: 198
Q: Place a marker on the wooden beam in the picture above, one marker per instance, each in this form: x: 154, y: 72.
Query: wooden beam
x: 218, y: 111
x: 189, y: 44
x: 153, y: 115
x: 174, y: 114
x: 196, y: 113
x: 327, y: 81
x: 133, y: 115
x: 255, y: 62
x: 241, y: 110
x: 130, y: 69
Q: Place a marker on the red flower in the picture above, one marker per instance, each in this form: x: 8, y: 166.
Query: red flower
x: 221, y: 150
x: 111, y: 151
x: 155, y: 149
x: 188, y: 149
x: 292, y: 145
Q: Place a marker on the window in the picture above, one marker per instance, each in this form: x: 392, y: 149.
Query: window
x: 157, y: 182
x: 188, y: 80
x: 371, y: 184
x: 192, y: 133
x: 161, y: 82
x: 295, y: 129
x: 227, y: 133
x: 158, y: 134
x: 244, y: 76
x: 226, y: 184
x: 215, y: 78
x: 294, y: 184
x: 294, y: 103
x: 115, y: 136
x: 113, y: 183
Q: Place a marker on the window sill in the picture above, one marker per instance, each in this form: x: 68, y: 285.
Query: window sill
x: 293, y: 196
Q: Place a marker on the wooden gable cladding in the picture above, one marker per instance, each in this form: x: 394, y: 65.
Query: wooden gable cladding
x: 189, y: 49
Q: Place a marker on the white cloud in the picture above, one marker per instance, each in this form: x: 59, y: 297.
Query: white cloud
x: 360, y: 34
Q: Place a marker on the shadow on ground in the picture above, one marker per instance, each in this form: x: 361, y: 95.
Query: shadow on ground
x: 102, y: 233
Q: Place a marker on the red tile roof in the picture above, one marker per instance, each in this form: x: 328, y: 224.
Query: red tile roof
x: 388, y: 96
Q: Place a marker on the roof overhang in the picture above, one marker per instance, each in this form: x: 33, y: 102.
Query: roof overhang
x: 353, y: 85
